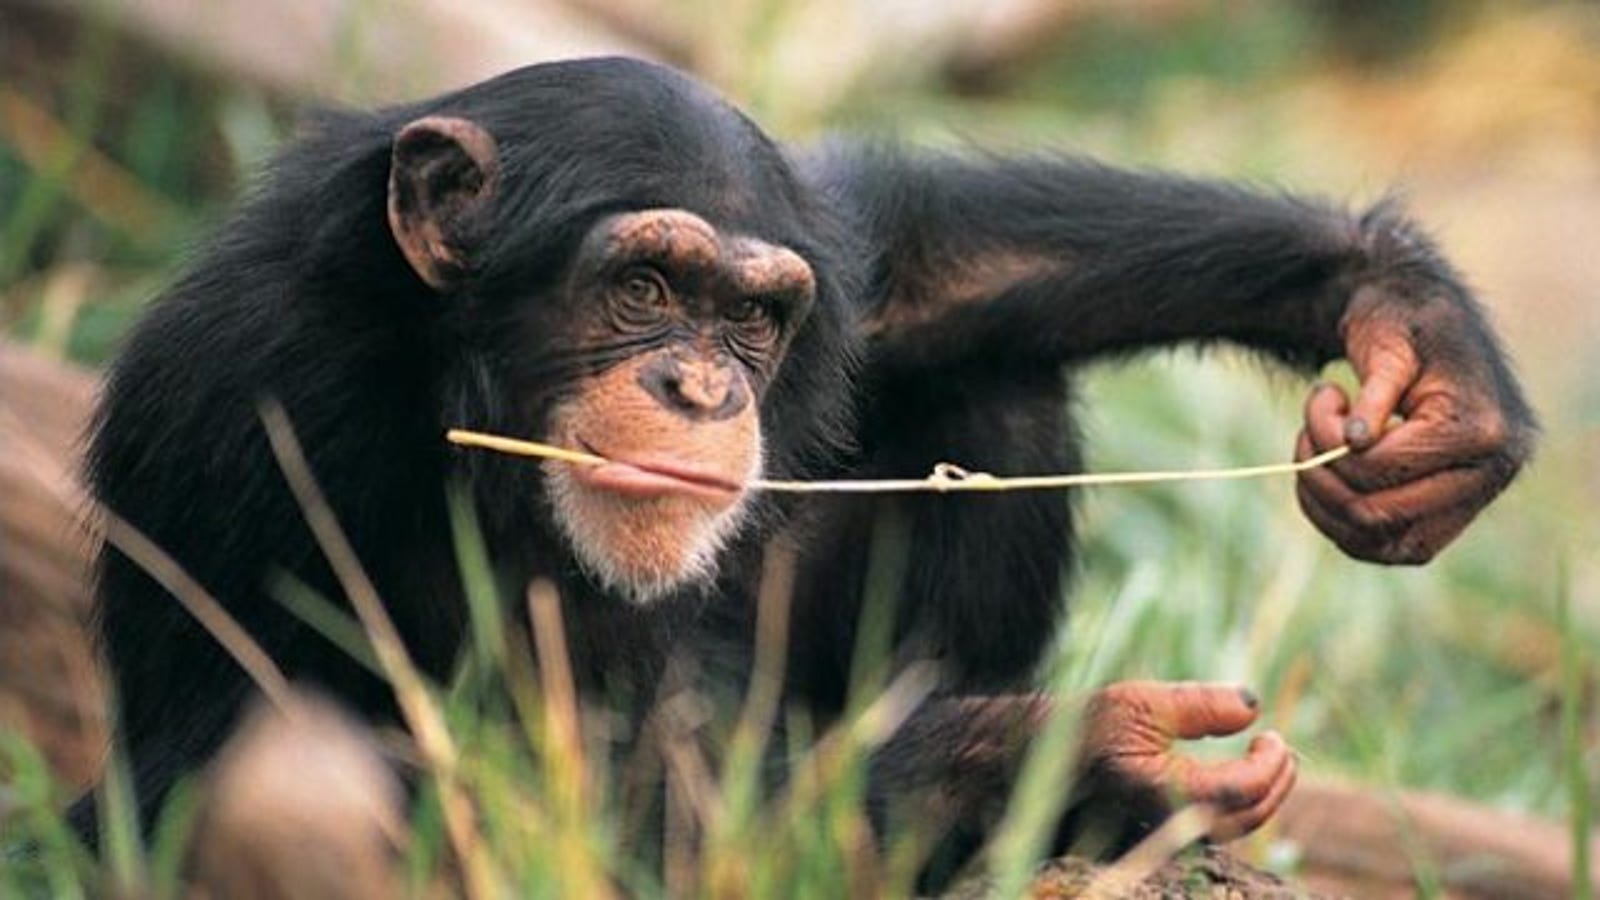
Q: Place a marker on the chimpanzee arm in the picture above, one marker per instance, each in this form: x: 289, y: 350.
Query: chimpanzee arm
x: 1063, y: 259
x: 1058, y: 260
x: 951, y: 768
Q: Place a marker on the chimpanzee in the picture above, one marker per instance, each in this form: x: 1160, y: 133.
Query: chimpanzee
x: 604, y: 255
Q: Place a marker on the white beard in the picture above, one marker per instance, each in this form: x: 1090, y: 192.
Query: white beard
x: 624, y: 544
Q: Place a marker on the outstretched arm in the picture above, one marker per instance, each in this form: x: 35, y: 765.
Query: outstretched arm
x: 1058, y: 260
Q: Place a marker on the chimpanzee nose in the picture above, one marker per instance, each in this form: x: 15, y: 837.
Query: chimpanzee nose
x: 699, y: 389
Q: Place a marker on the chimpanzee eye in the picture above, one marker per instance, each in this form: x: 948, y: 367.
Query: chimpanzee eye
x: 644, y: 288
x: 750, y: 310
x: 753, y: 329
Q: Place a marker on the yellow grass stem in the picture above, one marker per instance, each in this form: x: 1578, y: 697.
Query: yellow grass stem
x: 945, y: 477
x: 425, y: 719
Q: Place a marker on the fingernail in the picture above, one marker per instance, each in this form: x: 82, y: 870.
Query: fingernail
x: 1356, y: 431
x: 1249, y: 698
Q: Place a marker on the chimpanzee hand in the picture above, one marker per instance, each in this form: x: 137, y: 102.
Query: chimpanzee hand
x: 1409, y: 488
x: 1134, y: 779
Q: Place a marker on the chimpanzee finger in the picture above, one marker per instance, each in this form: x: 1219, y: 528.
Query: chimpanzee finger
x: 1233, y: 784
x: 1318, y: 495
x: 1231, y: 825
x: 1327, y: 408
x: 1381, y: 352
x: 1432, y: 441
x: 1397, y: 462
x: 1326, y: 415
x: 1394, y: 509
x: 1419, y: 447
x: 1191, y: 710
x: 1405, y: 524
x: 1322, y: 493
x: 1428, y: 537
x: 1339, y: 529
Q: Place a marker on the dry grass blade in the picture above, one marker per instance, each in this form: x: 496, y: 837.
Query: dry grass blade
x: 563, y: 742
x: 199, y: 603
x: 555, y: 670
x: 105, y: 189
x: 773, y: 602
x: 944, y: 479
x: 866, y: 732
x: 421, y: 714
x: 160, y: 565
x: 1119, y: 879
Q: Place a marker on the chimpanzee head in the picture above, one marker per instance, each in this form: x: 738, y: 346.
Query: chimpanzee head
x: 635, y: 271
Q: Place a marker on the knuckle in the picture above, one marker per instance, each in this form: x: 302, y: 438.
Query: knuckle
x: 1108, y: 705
x: 1412, y: 552
x: 1505, y: 443
x: 1133, y: 771
x: 1361, y: 548
x: 1494, y: 430
x: 1118, y: 693
x: 1391, y: 354
x: 1232, y: 796
x: 1368, y: 477
x: 1504, y: 464
x: 1373, y: 518
x: 1393, y: 551
x: 1133, y: 699
x: 1121, y: 768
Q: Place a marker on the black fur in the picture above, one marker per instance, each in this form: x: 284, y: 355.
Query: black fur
x: 305, y: 298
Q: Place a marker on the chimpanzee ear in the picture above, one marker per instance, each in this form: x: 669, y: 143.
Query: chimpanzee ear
x: 442, y: 172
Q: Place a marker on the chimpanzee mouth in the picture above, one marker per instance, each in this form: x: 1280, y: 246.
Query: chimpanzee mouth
x: 653, y: 477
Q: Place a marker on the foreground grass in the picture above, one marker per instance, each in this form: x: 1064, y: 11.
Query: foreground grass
x: 1470, y: 676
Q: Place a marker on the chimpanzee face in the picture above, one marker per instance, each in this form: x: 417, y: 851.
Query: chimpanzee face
x: 708, y: 316
x: 685, y: 324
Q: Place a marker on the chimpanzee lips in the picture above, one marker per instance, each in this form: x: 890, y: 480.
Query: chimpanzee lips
x: 655, y: 476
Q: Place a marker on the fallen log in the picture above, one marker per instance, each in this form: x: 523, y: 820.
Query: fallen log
x: 1360, y: 841
x: 344, y: 48
x: 50, y: 686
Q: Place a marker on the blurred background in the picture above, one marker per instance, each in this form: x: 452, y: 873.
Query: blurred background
x: 128, y: 126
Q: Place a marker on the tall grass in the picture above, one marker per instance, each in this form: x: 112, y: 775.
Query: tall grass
x: 1256, y: 598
